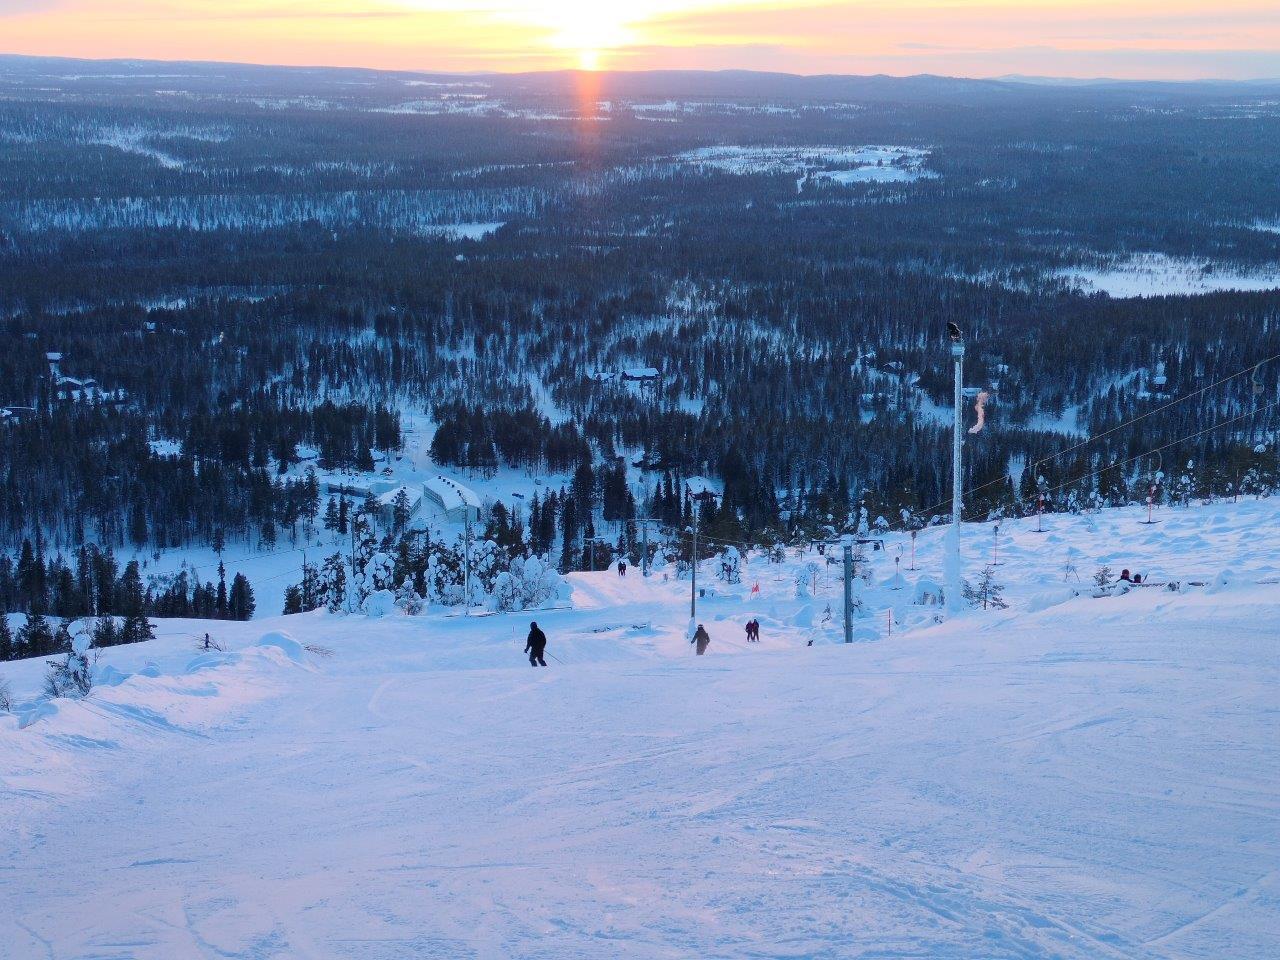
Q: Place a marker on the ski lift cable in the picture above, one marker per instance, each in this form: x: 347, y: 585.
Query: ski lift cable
x: 1155, y: 450
x: 1251, y: 369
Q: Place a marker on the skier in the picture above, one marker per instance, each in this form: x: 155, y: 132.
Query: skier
x: 748, y: 631
x: 622, y: 568
x: 702, y: 639
x: 536, y: 644
x: 755, y: 630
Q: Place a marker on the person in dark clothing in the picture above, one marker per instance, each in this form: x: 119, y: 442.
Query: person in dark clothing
x: 702, y: 639
x: 536, y: 644
x: 748, y: 631
x: 622, y: 568
x: 755, y: 630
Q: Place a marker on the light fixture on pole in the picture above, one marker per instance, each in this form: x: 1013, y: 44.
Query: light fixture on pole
x: 952, y: 564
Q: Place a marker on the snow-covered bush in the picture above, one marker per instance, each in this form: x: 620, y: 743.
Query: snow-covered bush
x: 407, y: 598
x: 806, y: 576
x: 528, y: 584
x: 72, y: 676
x: 333, y: 583
x: 444, y: 576
x: 6, y: 697
x: 487, y: 561
x: 1102, y: 577
x: 381, y: 571
x: 731, y: 565
x: 379, y: 604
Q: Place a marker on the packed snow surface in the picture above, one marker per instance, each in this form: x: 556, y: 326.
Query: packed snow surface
x: 1074, y: 776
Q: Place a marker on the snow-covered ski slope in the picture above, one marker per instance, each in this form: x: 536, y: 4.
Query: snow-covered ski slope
x: 1071, y: 777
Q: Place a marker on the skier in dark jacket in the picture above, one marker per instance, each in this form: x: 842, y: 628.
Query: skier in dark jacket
x: 536, y: 644
x: 702, y: 639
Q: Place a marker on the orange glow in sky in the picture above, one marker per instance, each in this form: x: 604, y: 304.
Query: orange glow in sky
x: 1174, y: 39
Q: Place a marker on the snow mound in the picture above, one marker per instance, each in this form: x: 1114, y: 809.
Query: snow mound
x: 29, y: 713
x: 109, y: 676
x: 1051, y: 598
x: 282, y: 641
x: 928, y: 592
x: 207, y: 661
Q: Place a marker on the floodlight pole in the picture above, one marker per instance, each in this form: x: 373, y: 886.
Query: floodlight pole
x: 957, y: 436
x: 952, y: 561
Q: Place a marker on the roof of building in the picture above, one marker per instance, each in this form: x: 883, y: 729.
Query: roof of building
x: 452, y: 494
x: 703, y: 487
x: 389, y: 498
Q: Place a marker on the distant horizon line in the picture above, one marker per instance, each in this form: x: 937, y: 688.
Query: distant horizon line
x: 426, y: 71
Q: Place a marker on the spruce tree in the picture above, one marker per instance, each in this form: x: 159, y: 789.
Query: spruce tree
x: 35, y: 638
x: 242, y: 603
x: 133, y: 605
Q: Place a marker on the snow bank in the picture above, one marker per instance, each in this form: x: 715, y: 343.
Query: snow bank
x: 282, y: 641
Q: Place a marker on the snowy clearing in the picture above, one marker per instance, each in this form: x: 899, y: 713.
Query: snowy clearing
x: 1160, y: 275
x: 842, y: 164
x: 1070, y: 777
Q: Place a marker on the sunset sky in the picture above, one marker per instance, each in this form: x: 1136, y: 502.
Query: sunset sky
x: 1173, y: 39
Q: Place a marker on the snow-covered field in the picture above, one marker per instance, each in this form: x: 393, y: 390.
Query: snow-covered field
x: 841, y: 164
x: 1071, y: 777
x: 1159, y: 275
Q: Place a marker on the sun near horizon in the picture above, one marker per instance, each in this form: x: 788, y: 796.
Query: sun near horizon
x: 1127, y: 39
